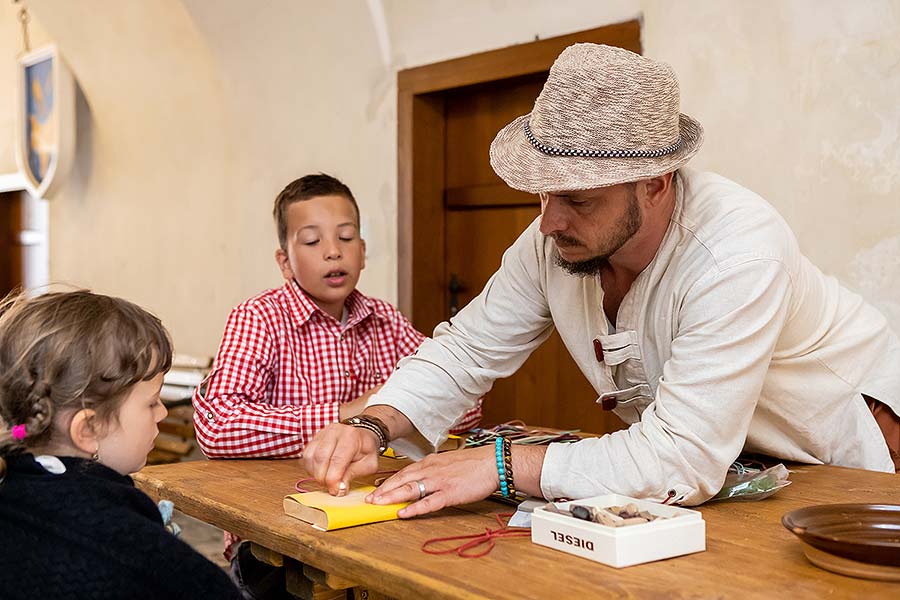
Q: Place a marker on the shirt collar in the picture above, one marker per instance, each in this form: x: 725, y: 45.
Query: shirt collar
x: 26, y: 462
x: 359, y: 306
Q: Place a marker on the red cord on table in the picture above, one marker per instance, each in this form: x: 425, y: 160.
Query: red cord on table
x: 477, y: 539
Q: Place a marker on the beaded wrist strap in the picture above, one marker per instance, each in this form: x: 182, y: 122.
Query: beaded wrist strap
x: 503, y: 454
x: 373, y: 424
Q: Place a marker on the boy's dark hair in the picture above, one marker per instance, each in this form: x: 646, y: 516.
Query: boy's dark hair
x: 70, y: 350
x: 308, y: 186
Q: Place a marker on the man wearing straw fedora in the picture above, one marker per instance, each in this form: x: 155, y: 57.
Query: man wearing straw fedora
x: 682, y: 296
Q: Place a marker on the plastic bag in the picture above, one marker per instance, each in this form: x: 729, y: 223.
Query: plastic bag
x: 742, y: 483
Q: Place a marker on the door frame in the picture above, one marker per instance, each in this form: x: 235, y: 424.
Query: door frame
x: 420, y: 153
x: 32, y: 235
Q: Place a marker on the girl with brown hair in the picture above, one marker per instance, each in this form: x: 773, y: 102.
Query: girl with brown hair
x: 80, y: 376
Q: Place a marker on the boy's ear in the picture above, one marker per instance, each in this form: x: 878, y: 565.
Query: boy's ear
x: 363, y: 263
x: 84, y: 431
x: 284, y: 264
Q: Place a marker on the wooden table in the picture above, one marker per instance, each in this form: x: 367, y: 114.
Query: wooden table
x: 749, y: 553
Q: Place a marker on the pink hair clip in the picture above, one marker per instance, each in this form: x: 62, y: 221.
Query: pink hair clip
x: 18, y: 432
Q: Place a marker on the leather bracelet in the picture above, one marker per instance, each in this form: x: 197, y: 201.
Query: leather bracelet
x: 507, y: 464
x: 373, y: 424
x: 503, y: 455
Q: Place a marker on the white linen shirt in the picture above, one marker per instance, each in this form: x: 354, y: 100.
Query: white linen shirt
x: 729, y: 340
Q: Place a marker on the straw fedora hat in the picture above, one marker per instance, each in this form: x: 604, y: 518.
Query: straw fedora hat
x: 605, y: 116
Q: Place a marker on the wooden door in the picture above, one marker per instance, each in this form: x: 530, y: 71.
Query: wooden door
x: 483, y: 217
x: 11, y: 255
x: 456, y: 216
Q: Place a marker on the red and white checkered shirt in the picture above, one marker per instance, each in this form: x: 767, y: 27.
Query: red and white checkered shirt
x: 284, y: 367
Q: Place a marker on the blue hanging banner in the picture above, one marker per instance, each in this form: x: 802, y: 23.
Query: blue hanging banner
x: 46, y: 125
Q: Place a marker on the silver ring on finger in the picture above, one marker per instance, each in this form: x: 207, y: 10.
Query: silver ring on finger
x: 422, y: 491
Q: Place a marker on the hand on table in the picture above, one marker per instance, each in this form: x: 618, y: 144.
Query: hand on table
x: 338, y: 454
x: 450, y: 478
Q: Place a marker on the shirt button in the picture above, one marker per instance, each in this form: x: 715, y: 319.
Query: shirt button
x: 347, y: 374
x: 341, y: 337
x: 377, y: 376
x: 598, y: 350
x: 209, y: 415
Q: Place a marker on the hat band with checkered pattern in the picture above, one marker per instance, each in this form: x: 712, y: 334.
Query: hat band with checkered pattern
x: 551, y: 151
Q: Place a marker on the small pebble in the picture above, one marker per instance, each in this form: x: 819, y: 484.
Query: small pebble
x: 581, y: 512
x: 551, y: 507
x: 611, y: 516
x: 606, y: 517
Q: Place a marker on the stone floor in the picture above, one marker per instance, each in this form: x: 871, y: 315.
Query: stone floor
x: 205, y: 539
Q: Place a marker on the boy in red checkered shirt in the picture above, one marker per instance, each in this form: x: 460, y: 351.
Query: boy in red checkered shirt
x: 297, y: 358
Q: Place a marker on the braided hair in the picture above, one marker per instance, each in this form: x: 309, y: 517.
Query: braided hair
x: 64, y: 351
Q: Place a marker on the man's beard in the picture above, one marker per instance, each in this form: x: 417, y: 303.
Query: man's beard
x: 631, y: 223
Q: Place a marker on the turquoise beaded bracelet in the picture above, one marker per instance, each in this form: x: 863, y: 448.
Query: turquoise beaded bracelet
x: 503, y: 454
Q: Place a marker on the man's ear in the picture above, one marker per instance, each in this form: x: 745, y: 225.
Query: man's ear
x: 657, y: 189
x: 84, y: 431
x: 284, y: 264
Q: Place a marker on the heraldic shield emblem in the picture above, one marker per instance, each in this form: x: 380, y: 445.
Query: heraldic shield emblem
x: 46, y: 121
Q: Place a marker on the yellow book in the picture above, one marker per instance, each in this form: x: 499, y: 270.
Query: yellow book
x: 326, y: 512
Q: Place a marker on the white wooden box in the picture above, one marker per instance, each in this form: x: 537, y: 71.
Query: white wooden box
x: 683, y: 533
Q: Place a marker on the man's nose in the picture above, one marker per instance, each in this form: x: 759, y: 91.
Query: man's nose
x: 552, y: 220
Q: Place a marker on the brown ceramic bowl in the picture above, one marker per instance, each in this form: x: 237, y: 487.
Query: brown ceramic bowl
x: 867, y: 533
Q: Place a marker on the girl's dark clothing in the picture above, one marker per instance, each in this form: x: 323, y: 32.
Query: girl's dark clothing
x: 89, y: 533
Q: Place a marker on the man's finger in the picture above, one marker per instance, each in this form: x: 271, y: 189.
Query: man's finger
x: 318, y: 455
x: 428, y: 504
x: 366, y: 465
x: 407, y: 492
x: 397, y: 480
x: 336, y: 466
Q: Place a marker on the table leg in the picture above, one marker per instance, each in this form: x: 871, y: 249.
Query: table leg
x: 263, y: 554
x: 335, y: 582
x: 301, y: 586
x: 362, y: 593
